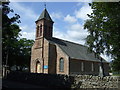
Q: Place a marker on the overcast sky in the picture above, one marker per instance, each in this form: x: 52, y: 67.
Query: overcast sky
x: 68, y: 17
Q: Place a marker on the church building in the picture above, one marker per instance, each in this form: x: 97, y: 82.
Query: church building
x: 56, y: 56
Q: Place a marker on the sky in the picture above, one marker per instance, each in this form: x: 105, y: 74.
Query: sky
x: 68, y: 17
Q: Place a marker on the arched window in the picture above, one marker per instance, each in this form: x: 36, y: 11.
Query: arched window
x: 40, y: 30
x: 37, y: 31
x: 61, y: 65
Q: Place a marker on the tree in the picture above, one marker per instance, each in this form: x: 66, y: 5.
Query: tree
x: 23, y: 54
x: 15, y: 51
x: 10, y: 33
x: 103, y: 27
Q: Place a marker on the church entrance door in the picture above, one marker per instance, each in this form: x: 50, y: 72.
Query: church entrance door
x: 38, y: 68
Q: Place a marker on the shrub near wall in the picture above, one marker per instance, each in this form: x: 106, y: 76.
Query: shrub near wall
x: 45, y: 80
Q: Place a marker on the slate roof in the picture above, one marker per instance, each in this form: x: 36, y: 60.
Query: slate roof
x: 45, y: 15
x: 74, y: 50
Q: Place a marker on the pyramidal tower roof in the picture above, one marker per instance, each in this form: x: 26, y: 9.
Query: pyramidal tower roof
x: 45, y: 15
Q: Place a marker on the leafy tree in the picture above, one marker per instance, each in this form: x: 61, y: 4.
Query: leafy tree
x: 104, y: 30
x: 23, y: 55
x: 10, y: 33
x: 15, y: 51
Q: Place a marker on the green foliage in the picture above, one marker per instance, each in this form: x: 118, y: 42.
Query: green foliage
x: 15, y: 51
x: 103, y: 26
x: 24, y: 52
x: 10, y: 32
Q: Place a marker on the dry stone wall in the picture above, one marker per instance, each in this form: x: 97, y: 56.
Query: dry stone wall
x: 78, y: 82
x: 89, y: 81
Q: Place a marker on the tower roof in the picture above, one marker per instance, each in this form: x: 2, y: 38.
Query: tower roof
x: 45, y: 15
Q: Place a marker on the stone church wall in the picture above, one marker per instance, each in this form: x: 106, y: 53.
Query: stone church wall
x: 76, y: 67
x: 35, y: 56
x: 45, y: 56
x: 61, y: 54
x: 52, y: 59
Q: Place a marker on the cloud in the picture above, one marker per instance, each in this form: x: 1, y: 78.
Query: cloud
x: 56, y: 15
x: 77, y: 32
x: 74, y: 33
x: 24, y: 11
x: 70, y: 19
x: 28, y: 35
x: 83, y: 11
x: 59, y: 34
x: 74, y: 29
x: 27, y: 32
x: 27, y: 17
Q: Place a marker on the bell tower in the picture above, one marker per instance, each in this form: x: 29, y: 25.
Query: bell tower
x: 44, y: 26
x: 44, y: 29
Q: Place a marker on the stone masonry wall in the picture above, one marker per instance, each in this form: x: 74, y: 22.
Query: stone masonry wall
x: 89, y: 81
x: 61, y: 54
x: 52, y: 59
x: 78, y: 82
x: 76, y: 67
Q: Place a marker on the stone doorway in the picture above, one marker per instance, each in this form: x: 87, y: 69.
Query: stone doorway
x: 38, y: 67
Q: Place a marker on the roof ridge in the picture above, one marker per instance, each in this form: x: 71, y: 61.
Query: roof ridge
x: 70, y: 41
